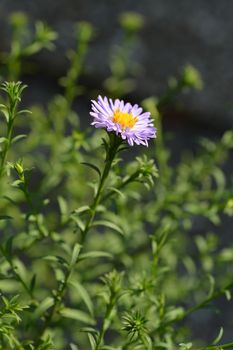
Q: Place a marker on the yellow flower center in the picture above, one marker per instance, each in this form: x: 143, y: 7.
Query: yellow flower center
x: 125, y: 120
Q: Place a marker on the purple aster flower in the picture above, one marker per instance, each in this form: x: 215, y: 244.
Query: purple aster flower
x: 126, y: 120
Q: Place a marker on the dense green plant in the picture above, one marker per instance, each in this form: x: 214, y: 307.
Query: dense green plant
x: 96, y: 243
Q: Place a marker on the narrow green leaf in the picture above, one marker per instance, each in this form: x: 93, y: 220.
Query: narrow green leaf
x: 8, y: 246
x: 17, y: 183
x: 83, y: 295
x: 185, y: 346
x: 212, y: 285
x: 105, y: 144
x: 3, y: 139
x: 18, y: 138
x: 21, y: 269
x: 11, y: 201
x: 78, y: 222
x: 108, y: 224
x: 75, y: 254
x: 122, y: 149
x: 219, y: 177
x: 5, y: 217
x: 228, y: 294
x: 33, y: 283
x: 88, y: 330
x: 5, y: 112
x: 174, y: 314
x: 57, y: 259
x: 74, y: 347
x: 82, y: 209
x: 95, y: 254
x: 24, y: 111
x: 117, y: 191
x: 92, y: 166
x: 92, y: 341
x: 219, y: 337
x: 62, y: 205
x: 77, y: 315
x: 43, y: 306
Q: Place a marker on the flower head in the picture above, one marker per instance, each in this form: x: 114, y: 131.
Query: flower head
x: 126, y: 120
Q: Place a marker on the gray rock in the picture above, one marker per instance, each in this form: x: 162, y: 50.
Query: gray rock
x: 175, y: 33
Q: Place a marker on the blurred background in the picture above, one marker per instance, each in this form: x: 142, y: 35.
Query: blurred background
x: 169, y: 36
x: 173, y: 34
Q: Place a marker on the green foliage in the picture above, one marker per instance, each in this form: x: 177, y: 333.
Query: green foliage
x: 97, y: 245
x: 123, y: 66
x: 25, y: 44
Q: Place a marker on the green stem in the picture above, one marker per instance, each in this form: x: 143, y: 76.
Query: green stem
x: 34, y: 212
x: 16, y: 342
x: 18, y: 277
x: 207, y: 300
x: 130, y: 179
x: 7, y: 146
x: 57, y: 300
x: 144, y: 342
x: 10, y: 123
x: 115, y: 142
x: 104, y: 327
x: 202, y: 304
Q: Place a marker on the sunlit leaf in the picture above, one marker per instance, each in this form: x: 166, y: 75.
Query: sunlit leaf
x: 77, y: 315
x: 108, y: 224
x: 94, y: 254
x: 82, y: 292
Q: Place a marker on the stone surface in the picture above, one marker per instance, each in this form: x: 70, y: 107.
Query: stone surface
x: 175, y: 33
